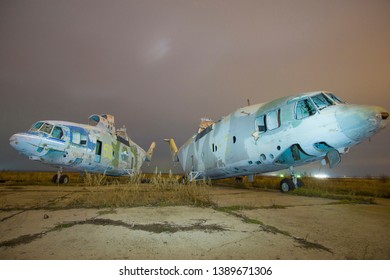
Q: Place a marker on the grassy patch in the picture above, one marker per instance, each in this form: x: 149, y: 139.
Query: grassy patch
x: 303, y: 242
x: 352, y: 187
x: 342, y: 198
x: 101, y: 191
x: 232, y: 210
x: 160, y: 191
x: 24, y: 239
x: 274, y: 206
x: 348, y: 190
x: 20, y: 178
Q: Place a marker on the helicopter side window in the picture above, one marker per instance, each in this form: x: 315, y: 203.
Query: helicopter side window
x: 57, y: 132
x: 79, y: 138
x: 273, y: 119
x: 125, y: 154
x: 83, y: 139
x: 304, y: 109
x: 261, y: 123
x: 76, y: 137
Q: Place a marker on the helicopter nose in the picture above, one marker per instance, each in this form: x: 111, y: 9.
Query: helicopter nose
x: 24, y: 143
x: 361, y: 122
x: 14, y: 141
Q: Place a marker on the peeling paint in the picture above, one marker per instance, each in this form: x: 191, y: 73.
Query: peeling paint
x: 277, y: 135
x: 93, y: 148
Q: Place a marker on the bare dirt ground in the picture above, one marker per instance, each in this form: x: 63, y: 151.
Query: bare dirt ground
x: 246, y: 224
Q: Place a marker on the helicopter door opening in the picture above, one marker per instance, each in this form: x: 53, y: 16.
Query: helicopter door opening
x: 98, y: 154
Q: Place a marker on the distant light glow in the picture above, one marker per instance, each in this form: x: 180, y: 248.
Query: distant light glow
x: 321, y: 176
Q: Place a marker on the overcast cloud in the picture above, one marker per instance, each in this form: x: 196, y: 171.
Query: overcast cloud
x: 160, y: 65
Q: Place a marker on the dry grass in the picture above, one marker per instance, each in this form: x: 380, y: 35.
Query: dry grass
x: 101, y: 191
x: 145, y: 195
x: 354, y: 187
x: 14, y: 178
x: 159, y: 191
x: 164, y: 189
x: 336, y: 188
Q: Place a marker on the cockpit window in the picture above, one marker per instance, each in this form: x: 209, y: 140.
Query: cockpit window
x: 304, y: 109
x: 322, y: 101
x: 57, y: 132
x: 46, y: 128
x: 336, y: 98
x: 36, y: 126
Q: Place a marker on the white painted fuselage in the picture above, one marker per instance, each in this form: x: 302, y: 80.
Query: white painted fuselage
x: 98, y: 148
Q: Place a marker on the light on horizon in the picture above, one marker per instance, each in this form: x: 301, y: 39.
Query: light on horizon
x: 321, y: 176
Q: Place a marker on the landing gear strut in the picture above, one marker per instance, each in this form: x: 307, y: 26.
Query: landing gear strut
x: 288, y: 184
x: 59, y: 178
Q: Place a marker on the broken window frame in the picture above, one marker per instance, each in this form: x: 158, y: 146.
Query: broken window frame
x: 125, y: 155
x: 203, y: 132
x: 46, y: 128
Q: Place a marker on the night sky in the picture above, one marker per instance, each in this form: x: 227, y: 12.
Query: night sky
x: 161, y: 65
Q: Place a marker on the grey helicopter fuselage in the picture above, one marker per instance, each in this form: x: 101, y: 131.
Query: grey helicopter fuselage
x: 287, y: 132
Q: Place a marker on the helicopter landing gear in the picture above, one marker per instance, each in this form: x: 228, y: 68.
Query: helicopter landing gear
x: 60, y: 178
x: 290, y: 184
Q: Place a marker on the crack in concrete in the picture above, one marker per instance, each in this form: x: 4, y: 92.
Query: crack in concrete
x: 228, y: 243
x: 153, y: 228
x: 11, y: 216
x: 303, y: 242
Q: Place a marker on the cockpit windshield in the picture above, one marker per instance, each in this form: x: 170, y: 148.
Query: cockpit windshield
x: 42, y: 127
x: 36, y: 126
x: 46, y: 127
x: 51, y: 130
x: 335, y: 98
x: 322, y: 101
x: 304, y: 109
